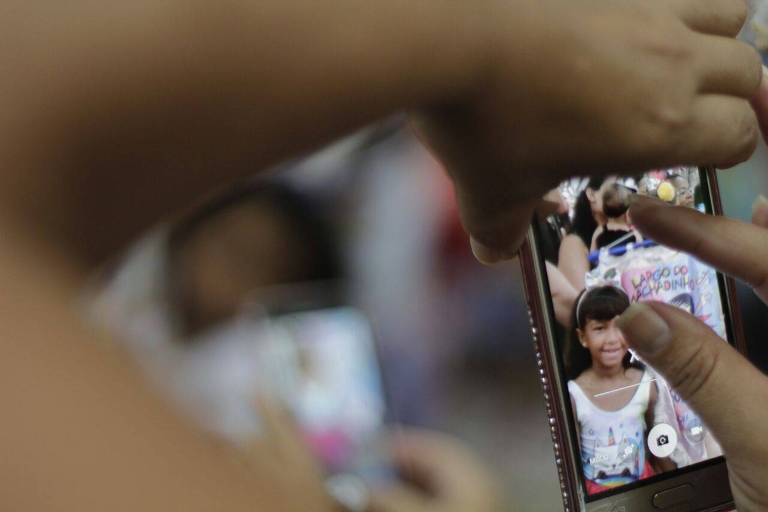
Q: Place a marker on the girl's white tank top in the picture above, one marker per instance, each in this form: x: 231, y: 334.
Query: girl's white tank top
x: 613, y: 442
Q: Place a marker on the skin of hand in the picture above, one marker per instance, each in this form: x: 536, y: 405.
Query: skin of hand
x: 283, y: 441
x: 572, y: 103
x: 718, y: 382
x: 438, y: 474
x: 137, y: 105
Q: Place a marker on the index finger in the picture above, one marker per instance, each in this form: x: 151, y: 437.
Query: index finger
x: 734, y: 247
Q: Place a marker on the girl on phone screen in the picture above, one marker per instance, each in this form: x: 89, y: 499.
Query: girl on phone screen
x: 613, y: 398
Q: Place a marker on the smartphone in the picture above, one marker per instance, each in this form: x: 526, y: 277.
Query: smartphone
x: 321, y: 361
x: 623, y: 440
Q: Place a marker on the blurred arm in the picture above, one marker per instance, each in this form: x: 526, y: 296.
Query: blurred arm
x: 573, y: 262
x: 118, y: 113
x: 154, y: 104
x: 563, y: 295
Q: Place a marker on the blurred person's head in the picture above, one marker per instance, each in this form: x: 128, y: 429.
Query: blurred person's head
x: 684, y: 194
x: 616, y: 200
x: 254, y: 237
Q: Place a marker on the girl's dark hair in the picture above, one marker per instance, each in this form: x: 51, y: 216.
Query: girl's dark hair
x: 601, y: 303
x: 584, y: 223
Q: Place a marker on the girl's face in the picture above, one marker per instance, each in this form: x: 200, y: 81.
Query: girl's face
x: 605, y: 342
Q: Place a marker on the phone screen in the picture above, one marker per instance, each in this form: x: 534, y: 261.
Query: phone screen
x: 631, y: 427
x: 323, y: 365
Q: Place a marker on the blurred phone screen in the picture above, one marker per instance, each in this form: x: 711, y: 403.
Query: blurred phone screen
x: 323, y: 365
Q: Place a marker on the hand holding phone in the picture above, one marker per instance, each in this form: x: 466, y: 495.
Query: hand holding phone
x: 624, y: 438
x: 723, y: 387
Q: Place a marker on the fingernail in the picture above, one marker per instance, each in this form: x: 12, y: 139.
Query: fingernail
x: 484, y: 254
x: 644, y: 329
x: 762, y: 89
x: 760, y: 211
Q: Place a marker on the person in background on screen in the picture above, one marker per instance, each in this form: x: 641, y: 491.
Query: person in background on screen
x: 588, y: 215
x: 684, y: 193
x: 617, y: 229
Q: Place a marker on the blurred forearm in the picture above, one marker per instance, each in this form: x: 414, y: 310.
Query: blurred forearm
x: 125, y: 112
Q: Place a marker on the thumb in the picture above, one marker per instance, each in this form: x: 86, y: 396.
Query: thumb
x: 720, y: 385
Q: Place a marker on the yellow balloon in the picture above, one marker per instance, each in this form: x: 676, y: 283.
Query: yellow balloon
x: 666, y: 192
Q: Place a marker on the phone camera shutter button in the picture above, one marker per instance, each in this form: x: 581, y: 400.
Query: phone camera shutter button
x: 674, y: 496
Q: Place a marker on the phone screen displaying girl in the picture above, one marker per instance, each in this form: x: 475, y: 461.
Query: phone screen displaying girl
x: 631, y: 426
x: 322, y: 364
